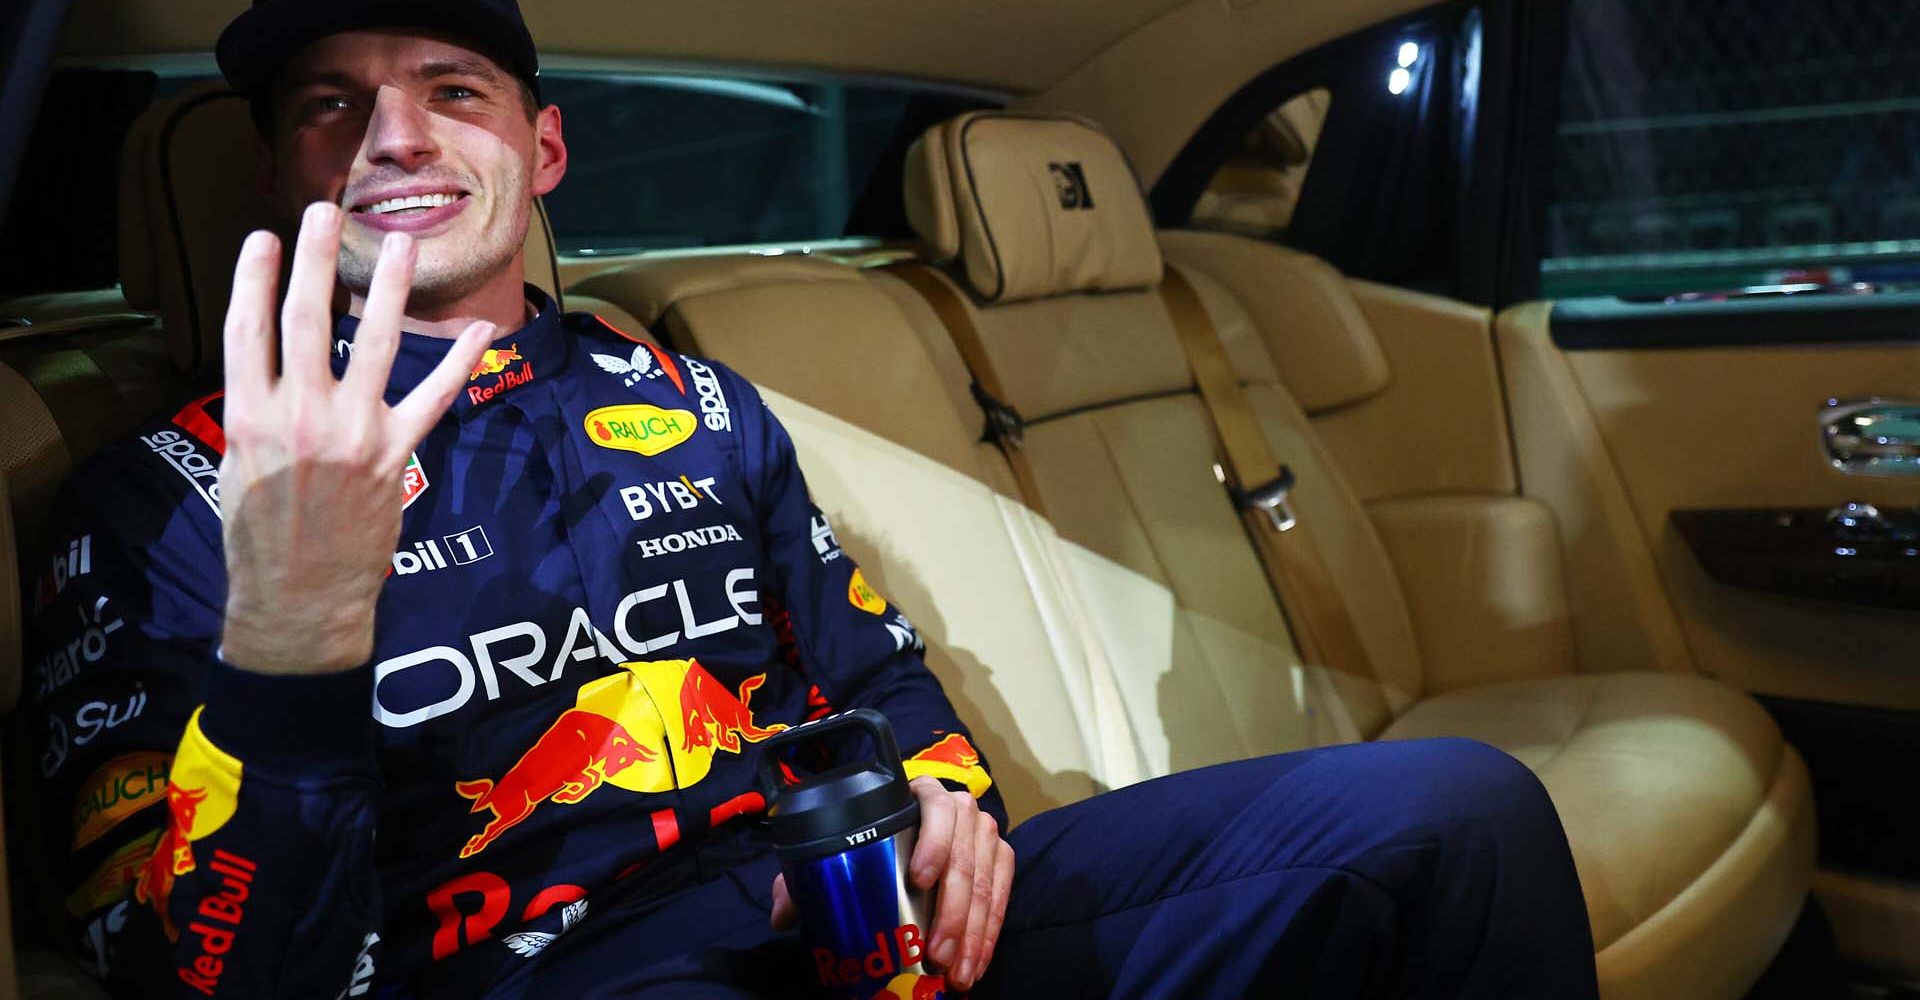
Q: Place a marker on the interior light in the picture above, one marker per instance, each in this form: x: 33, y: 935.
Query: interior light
x: 1409, y: 51
x: 1398, y: 80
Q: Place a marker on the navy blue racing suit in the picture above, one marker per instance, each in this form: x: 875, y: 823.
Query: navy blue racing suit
x: 611, y: 585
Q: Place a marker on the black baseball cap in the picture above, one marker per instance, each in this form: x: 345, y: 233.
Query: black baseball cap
x: 261, y: 40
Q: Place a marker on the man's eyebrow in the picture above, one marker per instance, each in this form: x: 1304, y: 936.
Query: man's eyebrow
x: 329, y: 78
x: 456, y: 66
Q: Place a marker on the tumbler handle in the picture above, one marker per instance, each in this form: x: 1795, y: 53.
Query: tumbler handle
x: 867, y: 720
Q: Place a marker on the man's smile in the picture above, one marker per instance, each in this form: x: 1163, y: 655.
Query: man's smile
x: 413, y: 209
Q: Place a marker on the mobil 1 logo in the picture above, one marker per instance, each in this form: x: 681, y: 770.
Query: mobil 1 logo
x: 458, y: 549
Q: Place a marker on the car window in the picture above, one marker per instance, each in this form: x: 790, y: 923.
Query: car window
x: 1709, y: 145
x: 55, y: 238
x: 654, y: 161
x: 1254, y: 191
x: 689, y: 161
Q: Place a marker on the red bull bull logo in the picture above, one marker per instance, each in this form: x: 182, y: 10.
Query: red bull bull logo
x: 618, y: 734
x: 712, y: 716
x: 953, y: 759
x: 203, y: 791
x: 571, y: 759
x: 913, y: 986
x: 494, y: 361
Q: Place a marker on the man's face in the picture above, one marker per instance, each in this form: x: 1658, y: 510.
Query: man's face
x: 414, y: 132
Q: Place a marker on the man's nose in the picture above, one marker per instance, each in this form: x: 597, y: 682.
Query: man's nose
x: 399, y: 132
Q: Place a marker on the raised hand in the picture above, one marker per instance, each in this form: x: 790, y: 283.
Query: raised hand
x: 310, y: 487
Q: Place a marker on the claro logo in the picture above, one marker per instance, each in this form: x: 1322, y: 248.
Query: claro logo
x: 638, y: 427
x: 425, y: 684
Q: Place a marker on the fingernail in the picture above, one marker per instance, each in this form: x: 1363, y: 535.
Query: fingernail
x: 943, y: 953
x: 964, y: 978
x: 317, y: 212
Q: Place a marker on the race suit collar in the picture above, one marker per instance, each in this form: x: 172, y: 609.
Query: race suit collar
x: 512, y: 361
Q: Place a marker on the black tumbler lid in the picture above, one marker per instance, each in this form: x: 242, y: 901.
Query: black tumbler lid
x: 843, y: 808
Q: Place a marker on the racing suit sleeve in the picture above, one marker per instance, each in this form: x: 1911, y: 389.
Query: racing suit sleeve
x: 857, y: 647
x: 210, y: 830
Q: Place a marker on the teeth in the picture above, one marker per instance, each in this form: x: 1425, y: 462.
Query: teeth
x: 416, y: 201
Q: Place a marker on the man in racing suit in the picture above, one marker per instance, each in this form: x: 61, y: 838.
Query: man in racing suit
x: 598, y: 583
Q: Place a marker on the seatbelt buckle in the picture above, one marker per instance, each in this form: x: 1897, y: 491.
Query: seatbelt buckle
x: 1005, y: 425
x: 1269, y: 498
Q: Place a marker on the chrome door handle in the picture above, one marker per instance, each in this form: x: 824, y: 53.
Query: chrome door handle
x: 1872, y: 437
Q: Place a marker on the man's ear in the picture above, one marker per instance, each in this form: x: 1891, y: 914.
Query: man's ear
x: 550, y: 151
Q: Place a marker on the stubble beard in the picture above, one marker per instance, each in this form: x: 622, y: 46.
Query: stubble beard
x: 447, y: 268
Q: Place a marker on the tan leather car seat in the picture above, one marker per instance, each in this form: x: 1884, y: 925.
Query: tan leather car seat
x: 930, y: 513
x: 1691, y: 820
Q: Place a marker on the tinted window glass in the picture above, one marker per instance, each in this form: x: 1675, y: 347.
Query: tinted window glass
x: 1708, y: 144
x: 62, y: 226
x: 663, y: 161
x: 1254, y: 191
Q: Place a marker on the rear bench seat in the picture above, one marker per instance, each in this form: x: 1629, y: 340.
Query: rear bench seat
x: 1691, y: 820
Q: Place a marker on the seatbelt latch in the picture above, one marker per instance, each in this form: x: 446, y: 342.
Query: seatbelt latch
x: 1269, y: 498
x: 1005, y: 426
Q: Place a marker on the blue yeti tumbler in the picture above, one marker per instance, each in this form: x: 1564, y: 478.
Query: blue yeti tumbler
x: 845, y: 838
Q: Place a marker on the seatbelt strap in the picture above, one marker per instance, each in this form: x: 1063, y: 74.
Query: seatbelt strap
x: 1005, y: 428
x: 1259, y: 485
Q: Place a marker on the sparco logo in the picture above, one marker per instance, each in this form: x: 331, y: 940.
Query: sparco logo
x: 1070, y: 183
x: 713, y: 404
x: 202, y: 472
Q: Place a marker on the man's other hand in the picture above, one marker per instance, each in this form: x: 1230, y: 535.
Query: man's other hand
x: 961, y: 852
x: 310, y: 486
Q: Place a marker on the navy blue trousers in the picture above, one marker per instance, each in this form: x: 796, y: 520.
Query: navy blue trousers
x: 1433, y: 868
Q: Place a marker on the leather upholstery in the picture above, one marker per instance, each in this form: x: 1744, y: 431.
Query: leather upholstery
x: 1033, y: 205
x: 1457, y: 594
x: 1689, y: 907
x: 189, y: 195
x: 1325, y: 350
x: 895, y: 462
x: 1473, y: 567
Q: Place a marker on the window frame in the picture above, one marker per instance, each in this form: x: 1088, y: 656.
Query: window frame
x: 877, y: 213
x: 1494, y: 172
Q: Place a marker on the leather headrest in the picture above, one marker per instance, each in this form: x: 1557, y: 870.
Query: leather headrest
x: 1032, y: 205
x: 1322, y: 345
x: 189, y: 195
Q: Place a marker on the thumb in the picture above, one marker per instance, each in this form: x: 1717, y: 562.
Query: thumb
x: 783, y: 911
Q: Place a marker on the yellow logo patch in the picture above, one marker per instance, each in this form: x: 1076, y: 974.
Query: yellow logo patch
x: 113, y: 880
x: 865, y: 597
x: 121, y: 787
x: 648, y: 430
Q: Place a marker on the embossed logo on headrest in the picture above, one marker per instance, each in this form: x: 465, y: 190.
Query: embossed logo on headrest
x: 1070, y: 183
